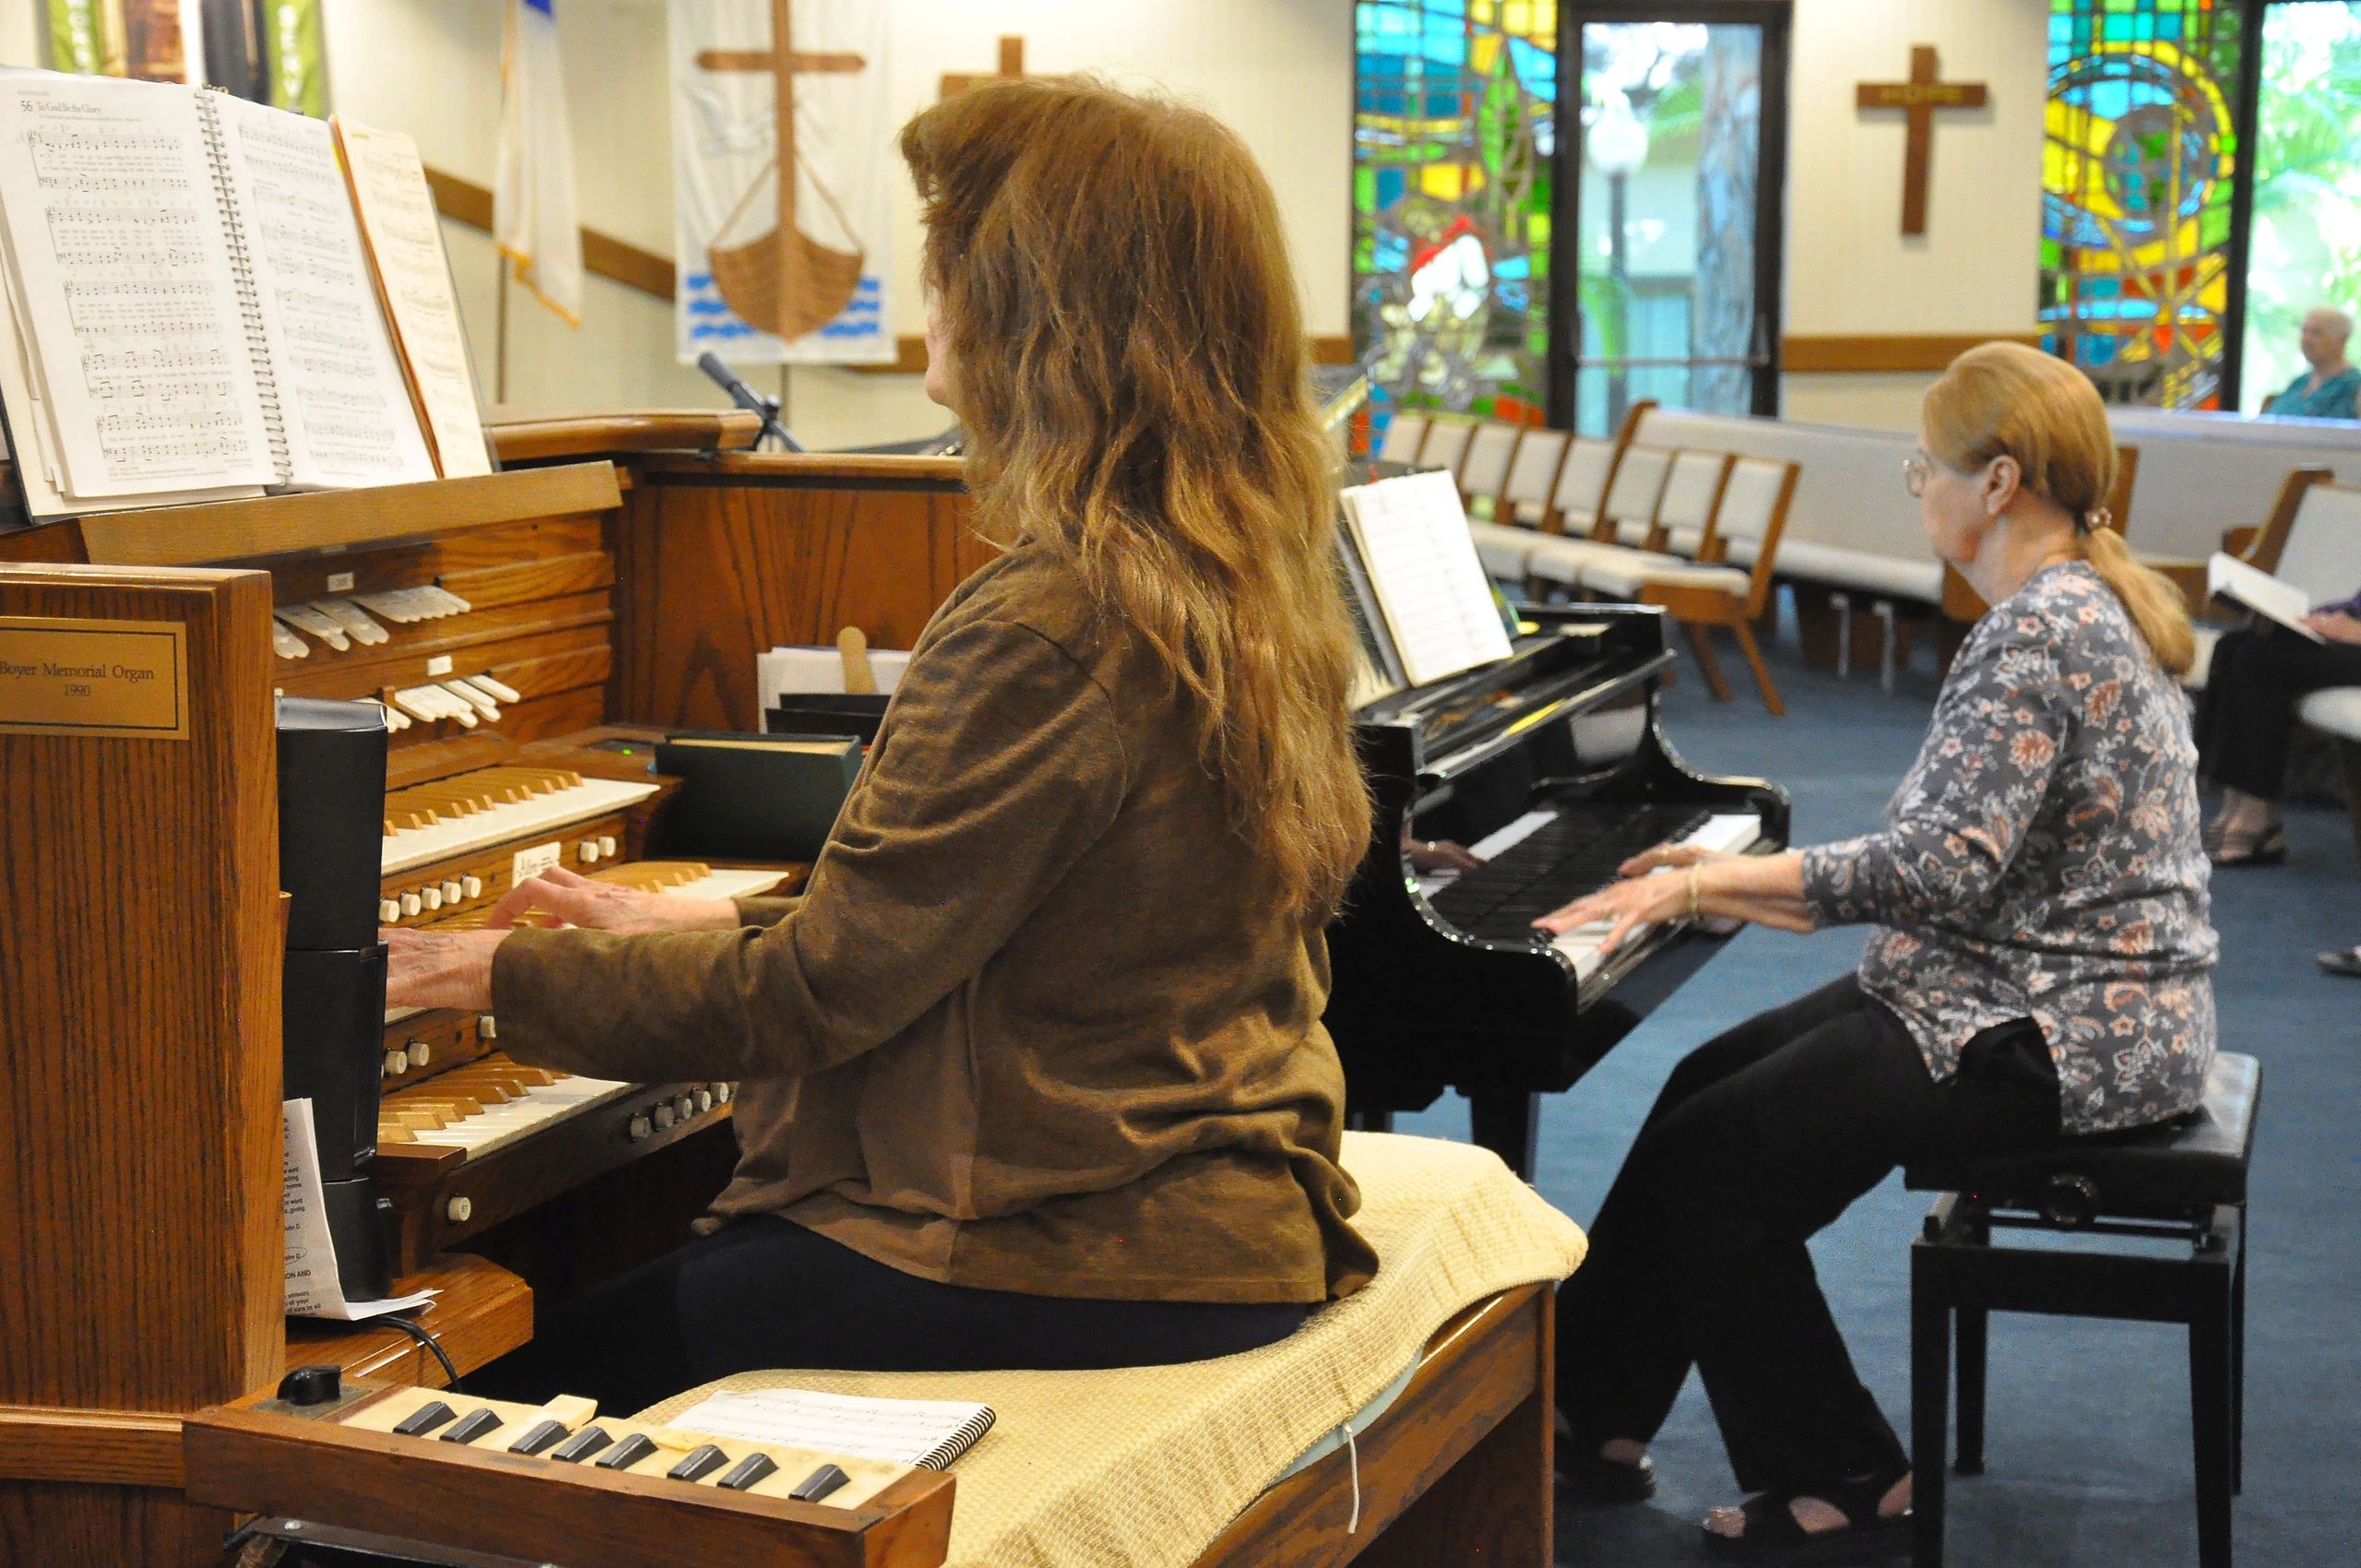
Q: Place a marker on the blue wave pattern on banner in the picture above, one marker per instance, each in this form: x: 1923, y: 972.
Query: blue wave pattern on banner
x: 713, y: 321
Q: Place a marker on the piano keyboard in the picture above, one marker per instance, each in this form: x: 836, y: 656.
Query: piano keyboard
x: 1547, y: 859
x: 475, y: 811
x: 488, y: 1105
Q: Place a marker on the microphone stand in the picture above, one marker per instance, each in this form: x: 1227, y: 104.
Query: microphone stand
x: 746, y: 398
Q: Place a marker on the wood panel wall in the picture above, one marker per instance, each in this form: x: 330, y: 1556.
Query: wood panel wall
x: 721, y: 558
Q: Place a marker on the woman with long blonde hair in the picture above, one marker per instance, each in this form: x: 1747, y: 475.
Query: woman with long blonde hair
x: 2038, y: 967
x: 1032, y: 1073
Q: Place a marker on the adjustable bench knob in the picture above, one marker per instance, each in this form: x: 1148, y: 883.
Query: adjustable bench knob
x: 2069, y: 1201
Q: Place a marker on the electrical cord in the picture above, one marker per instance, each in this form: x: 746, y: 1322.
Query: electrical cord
x: 449, y: 1372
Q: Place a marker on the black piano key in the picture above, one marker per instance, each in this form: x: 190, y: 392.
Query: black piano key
x: 472, y: 1425
x: 747, y: 1471
x: 542, y: 1436
x: 627, y: 1453
x: 581, y: 1445
x: 818, y: 1484
x: 703, y: 1461
x: 425, y: 1418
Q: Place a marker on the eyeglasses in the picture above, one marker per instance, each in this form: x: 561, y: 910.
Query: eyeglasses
x: 1915, y: 469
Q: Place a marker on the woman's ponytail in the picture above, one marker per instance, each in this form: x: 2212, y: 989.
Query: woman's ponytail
x: 2150, y: 598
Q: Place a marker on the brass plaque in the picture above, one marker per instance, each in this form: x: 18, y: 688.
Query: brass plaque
x: 60, y: 676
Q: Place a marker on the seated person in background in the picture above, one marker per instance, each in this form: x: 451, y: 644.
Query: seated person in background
x: 2037, y: 966
x: 2328, y: 385
x: 1033, y: 1072
x: 2246, y: 720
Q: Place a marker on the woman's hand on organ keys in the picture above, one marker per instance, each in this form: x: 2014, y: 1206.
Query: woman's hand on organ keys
x: 440, y: 969
x: 558, y: 896
x: 1641, y: 898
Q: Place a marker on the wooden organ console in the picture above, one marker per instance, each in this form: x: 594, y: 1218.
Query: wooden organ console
x: 529, y: 632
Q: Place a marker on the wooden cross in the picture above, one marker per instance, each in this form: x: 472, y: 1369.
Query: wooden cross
x: 1012, y: 63
x: 1920, y: 96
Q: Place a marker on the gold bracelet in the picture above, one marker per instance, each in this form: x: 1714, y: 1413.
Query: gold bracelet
x: 1693, y: 868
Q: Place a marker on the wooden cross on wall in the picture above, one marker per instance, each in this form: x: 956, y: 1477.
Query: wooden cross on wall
x: 1921, y: 97
x: 1012, y: 63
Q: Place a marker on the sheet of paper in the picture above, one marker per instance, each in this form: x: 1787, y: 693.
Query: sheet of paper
x: 140, y: 341
x: 313, y: 1287
x: 1421, y: 560
x: 904, y: 1430
x: 806, y: 670
x: 405, y: 242
x: 346, y: 407
x: 2265, y: 595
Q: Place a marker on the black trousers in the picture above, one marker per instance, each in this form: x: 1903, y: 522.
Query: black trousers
x: 2247, y: 717
x: 1761, y: 1138
x: 766, y: 1293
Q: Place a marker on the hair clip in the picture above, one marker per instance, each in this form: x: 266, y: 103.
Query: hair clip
x: 2097, y: 518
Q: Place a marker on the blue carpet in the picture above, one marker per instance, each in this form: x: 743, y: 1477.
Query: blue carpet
x: 2088, y: 1445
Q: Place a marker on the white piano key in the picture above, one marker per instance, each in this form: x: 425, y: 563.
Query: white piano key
x: 516, y: 819
x: 500, y: 692
x: 1504, y: 839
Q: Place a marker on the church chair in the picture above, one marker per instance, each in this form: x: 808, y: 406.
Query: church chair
x: 1693, y: 491
x: 2257, y: 546
x: 1506, y: 542
x: 1749, y: 521
x: 1484, y: 473
x: 1446, y: 445
x: 1630, y: 506
x: 2184, y: 1183
x: 1581, y: 487
x: 1404, y: 433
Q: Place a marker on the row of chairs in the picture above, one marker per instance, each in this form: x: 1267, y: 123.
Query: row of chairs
x: 1696, y: 532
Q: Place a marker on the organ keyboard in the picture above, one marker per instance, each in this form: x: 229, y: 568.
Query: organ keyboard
x: 1550, y: 767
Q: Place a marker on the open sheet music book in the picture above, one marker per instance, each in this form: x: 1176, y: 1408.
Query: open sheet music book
x: 929, y: 1433
x: 194, y: 308
x: 2231, y: 578
x: 1419, y: 559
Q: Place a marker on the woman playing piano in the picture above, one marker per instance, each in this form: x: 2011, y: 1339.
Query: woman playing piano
x: 1032, y: 1073
x: 2037, y: 967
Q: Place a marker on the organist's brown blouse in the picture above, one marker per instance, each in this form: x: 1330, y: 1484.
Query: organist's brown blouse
x: 1029, y: 1027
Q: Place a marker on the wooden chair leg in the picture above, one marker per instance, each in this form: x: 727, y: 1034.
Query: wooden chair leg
x: 1753, y: 651
x: 1707, y: 665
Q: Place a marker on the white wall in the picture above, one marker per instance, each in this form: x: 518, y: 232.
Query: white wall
x: 1850, y: 272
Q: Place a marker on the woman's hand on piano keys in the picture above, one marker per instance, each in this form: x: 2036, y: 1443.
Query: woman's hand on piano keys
x: 1703, y: 884
x: 559, y: 897
x: 440, y: 969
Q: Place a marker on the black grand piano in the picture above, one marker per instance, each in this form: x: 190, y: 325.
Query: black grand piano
x: 1551, y: 764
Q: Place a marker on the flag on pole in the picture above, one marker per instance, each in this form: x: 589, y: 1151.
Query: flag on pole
x: 533, y: 216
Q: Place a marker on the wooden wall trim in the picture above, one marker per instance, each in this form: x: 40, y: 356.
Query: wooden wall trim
x: 464, y: 201
x: 1886, y: 352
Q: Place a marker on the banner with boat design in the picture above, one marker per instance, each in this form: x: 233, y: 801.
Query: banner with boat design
x: 782, y: 159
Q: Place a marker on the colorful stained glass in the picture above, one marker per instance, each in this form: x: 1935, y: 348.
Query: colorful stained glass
x: 1454, y: 124
x: 2138, y: 166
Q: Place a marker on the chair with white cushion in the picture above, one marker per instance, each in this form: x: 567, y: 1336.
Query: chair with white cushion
x: 1693, y: 491
x: 1484, y: 473
x: 1629, y: 508
x: 1446, y: 445
x: 2322, y: 556
x: 1506, y: 542
x: 1581, y: 489
x: 1404, y: 434
x: 1752, y: 515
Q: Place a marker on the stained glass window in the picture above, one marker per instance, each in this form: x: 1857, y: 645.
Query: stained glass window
x: 2137, y: 169
x: 1454, y: 124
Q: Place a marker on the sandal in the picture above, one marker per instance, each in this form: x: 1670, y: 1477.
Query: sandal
x: 2267, y: 848
x: 1595, y: 1479
x: 1772, y: 1536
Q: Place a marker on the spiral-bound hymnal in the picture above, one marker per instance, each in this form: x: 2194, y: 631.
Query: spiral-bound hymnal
x: 192, y: 311
x: 929, y: 1433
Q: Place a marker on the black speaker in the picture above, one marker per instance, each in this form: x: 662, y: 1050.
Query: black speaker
x: 358, y: 1220
x: 332, y: 1022
x: 331, y: 821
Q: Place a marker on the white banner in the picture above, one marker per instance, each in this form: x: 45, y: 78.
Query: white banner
x: 780, y: 209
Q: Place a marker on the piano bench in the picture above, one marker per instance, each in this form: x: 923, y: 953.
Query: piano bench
x: 2184, y: 1183
x: 1408, y: 1423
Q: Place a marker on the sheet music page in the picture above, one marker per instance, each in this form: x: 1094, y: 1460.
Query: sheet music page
x: 314, y: 1286
x: 114, y: 231
x: 903, y: 1432
x: 1421, y: 557
x: 347, y: 410
x: 405, y: 240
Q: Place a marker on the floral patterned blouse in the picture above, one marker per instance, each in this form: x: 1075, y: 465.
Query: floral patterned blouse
x: 2042, y: 860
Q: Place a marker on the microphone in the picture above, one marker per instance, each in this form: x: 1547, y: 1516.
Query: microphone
x: 747, y: 399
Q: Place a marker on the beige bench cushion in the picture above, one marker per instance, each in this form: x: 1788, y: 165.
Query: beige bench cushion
x: 1504, y: 548
x: 2336, y: 710
x: 1145, y: 1468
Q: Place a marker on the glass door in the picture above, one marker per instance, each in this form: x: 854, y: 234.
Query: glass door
x: 1679, y: 167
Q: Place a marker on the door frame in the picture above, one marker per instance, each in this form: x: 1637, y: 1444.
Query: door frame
x: 1776, y: 18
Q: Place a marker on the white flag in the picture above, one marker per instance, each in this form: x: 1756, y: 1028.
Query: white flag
x: 533, y: 214
x: 781, y: 209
